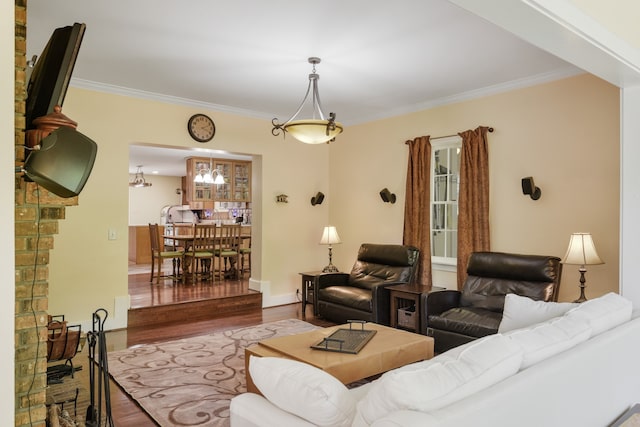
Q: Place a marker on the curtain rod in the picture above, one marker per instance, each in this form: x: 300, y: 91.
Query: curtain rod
x: 449, y: 136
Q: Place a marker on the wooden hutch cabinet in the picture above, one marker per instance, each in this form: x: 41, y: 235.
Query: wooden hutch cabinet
x: 237, y: 181
x: 237, y: 186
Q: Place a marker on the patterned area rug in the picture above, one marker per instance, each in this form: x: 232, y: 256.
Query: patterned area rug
x: 190, y: 382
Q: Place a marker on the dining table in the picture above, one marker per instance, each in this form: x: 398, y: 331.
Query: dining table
x: 186, y: 241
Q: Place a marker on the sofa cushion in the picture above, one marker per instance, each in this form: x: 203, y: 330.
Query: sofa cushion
x: 520, y: 312
x: 492, y: 275
x: 351, y: 296
x: 544, y: 340
x: 432, y: 384
x: 470, y: 321
x: 603, y: 313
x: 383, y: 263
x: 303, y: 390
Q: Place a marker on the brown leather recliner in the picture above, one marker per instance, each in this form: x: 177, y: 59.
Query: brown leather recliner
x: 454, y: 318
x: 363, y: 294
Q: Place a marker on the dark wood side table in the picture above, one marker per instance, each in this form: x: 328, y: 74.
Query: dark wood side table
x: 309, y: 290
x: 406, y: 301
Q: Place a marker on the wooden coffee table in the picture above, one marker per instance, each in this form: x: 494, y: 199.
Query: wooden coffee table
x: 389, y: 348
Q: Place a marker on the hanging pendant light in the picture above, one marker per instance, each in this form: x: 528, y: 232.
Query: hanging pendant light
x: 206, y: 176
x: 316, y: 130
x: 138, y: 180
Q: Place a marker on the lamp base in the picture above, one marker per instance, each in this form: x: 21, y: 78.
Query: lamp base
x: 330, y: 269
x: 582, y: 298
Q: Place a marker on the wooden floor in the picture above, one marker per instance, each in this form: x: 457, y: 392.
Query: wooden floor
x: 125, y: 411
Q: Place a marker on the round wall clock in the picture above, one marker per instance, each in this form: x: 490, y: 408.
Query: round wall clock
x: 201, y: 127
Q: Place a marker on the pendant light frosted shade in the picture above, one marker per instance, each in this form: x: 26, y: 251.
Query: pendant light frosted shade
x: 313, y: 131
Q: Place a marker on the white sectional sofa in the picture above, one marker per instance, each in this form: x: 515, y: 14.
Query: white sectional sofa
x: 564, y: 365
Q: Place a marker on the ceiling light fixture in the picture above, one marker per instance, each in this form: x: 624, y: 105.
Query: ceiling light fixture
x: 316, y: 130
x: 138, y: 180
x: 206, y: 176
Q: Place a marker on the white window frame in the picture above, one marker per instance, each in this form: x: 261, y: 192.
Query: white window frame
x: 440, y: 262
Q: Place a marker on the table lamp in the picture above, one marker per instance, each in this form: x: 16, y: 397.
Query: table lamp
x: 330, y: 237
x: 581, y: 252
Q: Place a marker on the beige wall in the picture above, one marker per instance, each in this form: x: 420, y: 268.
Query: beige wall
x: 565, y: 134
x: 146, y: 203
x: 89, y: 271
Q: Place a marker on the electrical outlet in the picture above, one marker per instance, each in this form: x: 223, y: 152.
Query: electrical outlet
x: 297, y: 292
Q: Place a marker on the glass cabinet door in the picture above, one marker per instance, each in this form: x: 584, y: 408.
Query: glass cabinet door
x: 201, y: 191
x: 223, y: 191
x: 241, y: 182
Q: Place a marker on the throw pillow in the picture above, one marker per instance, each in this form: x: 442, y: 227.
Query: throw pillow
x: 303, y: 390
x: 520, y: 312
x: 441, y: 381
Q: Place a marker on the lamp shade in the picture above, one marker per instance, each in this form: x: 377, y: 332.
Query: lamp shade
x: 330, y: 236
x: 581, y: 250
x: 219, y: 179
x: 313, y: 131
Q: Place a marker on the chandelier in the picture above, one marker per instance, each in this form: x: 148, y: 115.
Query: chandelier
x: 138, y: 180
x: 206, y: 176
x: 316, y: 130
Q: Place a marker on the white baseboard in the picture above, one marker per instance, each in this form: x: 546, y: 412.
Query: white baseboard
x: 116, y: 319
x: 267, y: 300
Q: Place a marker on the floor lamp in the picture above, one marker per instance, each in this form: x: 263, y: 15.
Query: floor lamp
x: 330, y: 237
x: 581, y: 252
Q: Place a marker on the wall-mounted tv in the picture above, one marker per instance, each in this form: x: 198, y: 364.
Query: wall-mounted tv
x: 65, y: 159
x: 51, y: 74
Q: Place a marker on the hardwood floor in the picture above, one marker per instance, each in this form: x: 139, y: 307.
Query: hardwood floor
x: 125, y: 411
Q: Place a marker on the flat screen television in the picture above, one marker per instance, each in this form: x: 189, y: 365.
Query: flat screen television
x: 51, y: 74
x: 64, y: 162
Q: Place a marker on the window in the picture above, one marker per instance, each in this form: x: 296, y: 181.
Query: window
x: 445, y: 182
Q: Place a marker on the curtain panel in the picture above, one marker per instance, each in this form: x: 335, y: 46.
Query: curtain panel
x: 417, y: 210
x: 473, y: 202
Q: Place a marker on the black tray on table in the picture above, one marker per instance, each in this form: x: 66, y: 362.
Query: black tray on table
x: 345, y: 340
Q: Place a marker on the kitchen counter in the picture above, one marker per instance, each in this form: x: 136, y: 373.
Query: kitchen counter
x: 140, y: 243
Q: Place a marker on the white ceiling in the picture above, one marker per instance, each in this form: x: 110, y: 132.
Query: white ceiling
x: 379, y: 58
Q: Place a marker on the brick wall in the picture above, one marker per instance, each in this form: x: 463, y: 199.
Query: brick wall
x: 36, y: 222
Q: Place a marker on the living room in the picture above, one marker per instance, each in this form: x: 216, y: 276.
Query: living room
x: 529, y: 125
x: 565, y: 133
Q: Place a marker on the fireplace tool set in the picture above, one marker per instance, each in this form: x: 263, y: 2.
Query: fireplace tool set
x: 98, y: 366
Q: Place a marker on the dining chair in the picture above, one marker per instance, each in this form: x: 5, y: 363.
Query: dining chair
x: 245, y: 254
x: 158, y: 255
x: 199, y: 255
x: 227, y: 251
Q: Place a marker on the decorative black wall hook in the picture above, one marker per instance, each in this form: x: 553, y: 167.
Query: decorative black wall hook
x: 387, y: 196
x: 529, y: 187
x: 317, y: 199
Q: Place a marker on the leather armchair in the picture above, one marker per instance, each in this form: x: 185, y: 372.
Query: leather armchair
x: 454, y: 318
x: 363, y: 294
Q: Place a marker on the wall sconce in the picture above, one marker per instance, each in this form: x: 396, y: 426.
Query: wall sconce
x: 529, y: 187
x: 317, y: 199
x: 282, y: 198
x: 387, y: 196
